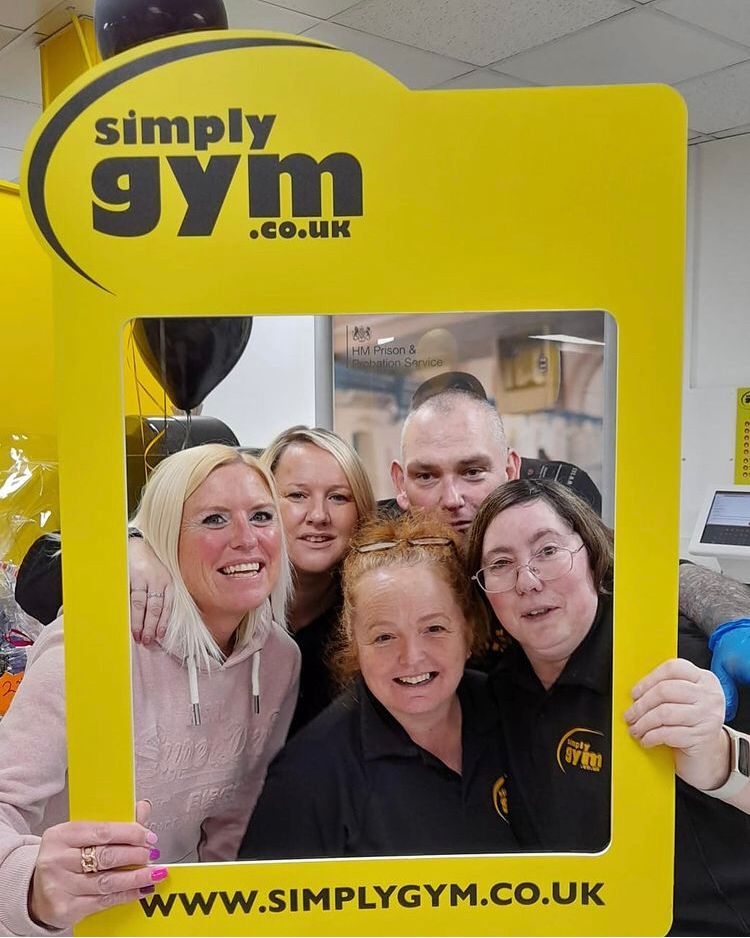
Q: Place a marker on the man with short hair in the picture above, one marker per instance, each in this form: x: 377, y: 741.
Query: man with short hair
x: 453, y: 454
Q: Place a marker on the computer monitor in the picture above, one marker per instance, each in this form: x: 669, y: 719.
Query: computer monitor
x: 722, y: 530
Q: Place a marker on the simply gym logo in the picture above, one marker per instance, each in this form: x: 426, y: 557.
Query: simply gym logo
x: 579, y: 749
x: 128, y: 189
x: 159, y: 161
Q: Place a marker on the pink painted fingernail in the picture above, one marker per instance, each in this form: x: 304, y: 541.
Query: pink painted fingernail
x: 154, y: 854
x: 159, y: 874
x: 146, y: 890
x: 151, y: 837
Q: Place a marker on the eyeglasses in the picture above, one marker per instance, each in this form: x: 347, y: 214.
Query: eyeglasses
x: 549, y: 563
x: 413, y: 541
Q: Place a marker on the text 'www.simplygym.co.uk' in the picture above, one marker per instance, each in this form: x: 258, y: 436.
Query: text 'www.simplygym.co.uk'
x: 372, y: 897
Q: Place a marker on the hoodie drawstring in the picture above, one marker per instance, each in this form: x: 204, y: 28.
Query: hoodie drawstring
x: 194, y: 698
x: 255, y: 682
x: 195, y: 702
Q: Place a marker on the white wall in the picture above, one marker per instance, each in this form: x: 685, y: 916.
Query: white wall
x: 272, y: 387
x: 717, y: 317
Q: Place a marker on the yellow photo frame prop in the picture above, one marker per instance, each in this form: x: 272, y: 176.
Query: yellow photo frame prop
x: 232, y: 173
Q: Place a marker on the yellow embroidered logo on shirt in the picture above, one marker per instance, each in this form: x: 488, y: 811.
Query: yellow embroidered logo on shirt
x: 500, y: 797
x: 574, y: 751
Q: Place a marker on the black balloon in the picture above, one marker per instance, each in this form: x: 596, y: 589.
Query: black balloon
x: 190, y: 357
x: 122, y: 24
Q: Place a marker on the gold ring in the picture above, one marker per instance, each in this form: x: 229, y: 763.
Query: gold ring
x: 89, y: 861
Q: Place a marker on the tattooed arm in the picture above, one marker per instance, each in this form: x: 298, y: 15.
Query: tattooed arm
x: 720, y: 607
x: 710, y: 599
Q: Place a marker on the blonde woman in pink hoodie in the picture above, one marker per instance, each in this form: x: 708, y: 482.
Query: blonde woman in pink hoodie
x: 212, y: 702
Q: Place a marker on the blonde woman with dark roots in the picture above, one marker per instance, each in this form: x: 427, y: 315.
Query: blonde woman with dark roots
x: 221, y: 684
x: 325, y: 494
x: 410, y: 759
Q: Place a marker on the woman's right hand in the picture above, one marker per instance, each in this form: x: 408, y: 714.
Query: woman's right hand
x: 150, y: 592
x: 682, y: 706
x: 62, y: 893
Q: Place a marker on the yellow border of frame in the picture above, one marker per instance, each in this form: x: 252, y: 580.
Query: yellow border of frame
x: 478, y: 200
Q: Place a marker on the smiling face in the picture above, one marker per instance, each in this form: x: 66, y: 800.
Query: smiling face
x: 411, y: 640
x: 317, y: 507
x: 229, y: 548
x: 452, y: 459
x: 548, y: 619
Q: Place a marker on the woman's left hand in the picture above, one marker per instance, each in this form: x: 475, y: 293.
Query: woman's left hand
x: 682, y: 706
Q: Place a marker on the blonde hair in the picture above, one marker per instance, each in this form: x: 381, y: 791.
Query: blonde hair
x: 159, y: 518
x: 446, y: 560
x: 351, y: 465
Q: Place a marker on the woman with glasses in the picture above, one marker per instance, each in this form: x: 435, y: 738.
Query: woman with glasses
x: 410, y: 760
x: 542, y: 562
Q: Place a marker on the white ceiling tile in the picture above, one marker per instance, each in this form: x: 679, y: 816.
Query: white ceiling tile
x: 484, y: 78
x: 20, y: 14
x: 414, y: 68
x: 637, y: 46
x: 16, y: 120
x: 61, y: 16
x: 20, y: 72
x: 718, y: 101
x: 734, y: 131
x: 255, y: 14
x: 7, y: 35
x: 10, y: 164
x: 322, y: 9
x: 478, y: 31
x: 729, y: 18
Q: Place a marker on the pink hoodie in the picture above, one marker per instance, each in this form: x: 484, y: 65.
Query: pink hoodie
x: 203, y: 781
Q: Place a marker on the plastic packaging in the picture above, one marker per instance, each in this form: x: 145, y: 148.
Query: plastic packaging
x: 29, y: 493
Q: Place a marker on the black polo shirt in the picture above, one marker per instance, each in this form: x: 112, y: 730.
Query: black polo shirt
x: 712, y: 839
x: 569, y: 810
x: 559, y: 743
x: 317, y: 686
x: 353, y: 783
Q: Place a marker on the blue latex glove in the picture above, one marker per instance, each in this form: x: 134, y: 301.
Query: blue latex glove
x: 730, y: 644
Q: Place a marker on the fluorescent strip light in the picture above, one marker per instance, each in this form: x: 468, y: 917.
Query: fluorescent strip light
x: 570, y: 339
x: 386, y: 341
